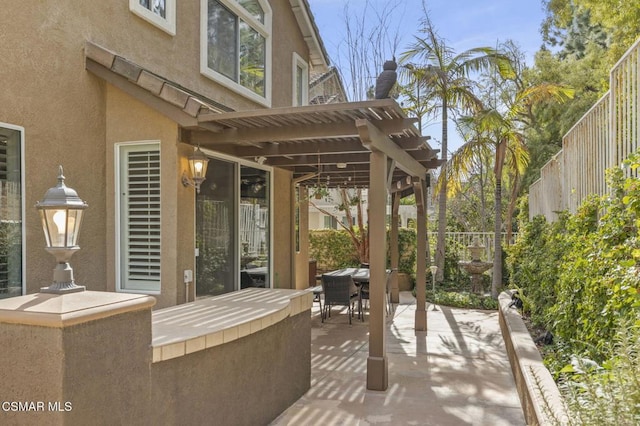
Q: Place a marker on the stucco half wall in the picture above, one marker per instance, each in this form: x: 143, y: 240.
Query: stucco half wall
x: 88, y: 358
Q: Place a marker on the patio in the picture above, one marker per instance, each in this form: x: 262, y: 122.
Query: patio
x: 457, y: 373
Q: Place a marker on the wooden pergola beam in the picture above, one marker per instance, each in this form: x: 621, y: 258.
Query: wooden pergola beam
x: 271, y: 149
x: 315, y: 159
x: 297, y: 132
x: 294, y: 111
x: 375, y: 140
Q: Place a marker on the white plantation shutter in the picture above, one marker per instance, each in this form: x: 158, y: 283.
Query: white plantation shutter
x: 140, y: 217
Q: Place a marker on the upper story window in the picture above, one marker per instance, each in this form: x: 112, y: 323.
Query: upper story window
x: 161, y: 13
x: 236, y: 46
x: 300, y: 81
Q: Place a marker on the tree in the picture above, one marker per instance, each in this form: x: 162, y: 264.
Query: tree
x: 500, y: 127
x: 353, y: 225
x: 449, y: 89
x: 367, y: 43
x: 576, y: 24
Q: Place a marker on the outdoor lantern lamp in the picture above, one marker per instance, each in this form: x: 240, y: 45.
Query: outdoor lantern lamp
x: 198, y: 162
x: 61, y: 214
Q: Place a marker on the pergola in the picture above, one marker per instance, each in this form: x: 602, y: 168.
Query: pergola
x: 373, y: 142
x: 368, y: 144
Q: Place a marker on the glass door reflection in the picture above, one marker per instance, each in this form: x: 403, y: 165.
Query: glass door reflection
x: 216, y: 267
x: 254, y: 236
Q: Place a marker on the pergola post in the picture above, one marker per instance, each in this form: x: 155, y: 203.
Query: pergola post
x: 420, y: 190
x: 393, y: 245
x: 377, y: 366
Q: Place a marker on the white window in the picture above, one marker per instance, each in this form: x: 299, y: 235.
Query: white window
x: 11, y: 211
x: 161, y: 13
x: 138, y: 189
x: 300, y: 81
x: 236, y: 46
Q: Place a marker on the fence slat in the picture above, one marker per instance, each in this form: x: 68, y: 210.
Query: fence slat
x: 602, y: 138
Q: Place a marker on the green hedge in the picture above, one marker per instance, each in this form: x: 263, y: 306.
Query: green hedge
x: 580, y: 276
x: 333, y: 249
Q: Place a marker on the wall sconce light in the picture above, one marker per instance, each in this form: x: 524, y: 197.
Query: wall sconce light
x: 61, y: 214
x: 198, y: 163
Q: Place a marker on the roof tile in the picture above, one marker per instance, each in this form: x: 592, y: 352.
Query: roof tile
x: 150, y: 82
x: 126, y: 69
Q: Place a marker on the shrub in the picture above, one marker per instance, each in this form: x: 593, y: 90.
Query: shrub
x: 607, y: 394
x: 333, y: 249
x: 462, y: 299
x: 580, y: 274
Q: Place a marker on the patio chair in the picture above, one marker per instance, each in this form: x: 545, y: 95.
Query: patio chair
x: 363, y: 295
x: 246, y: 281
x: 338, y: 290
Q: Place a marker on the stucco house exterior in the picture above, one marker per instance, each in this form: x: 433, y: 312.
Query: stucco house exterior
x: 122, y: 93
x: 107, y: 90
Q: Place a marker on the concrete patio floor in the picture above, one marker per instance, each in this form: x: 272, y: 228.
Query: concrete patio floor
x: 456, y: 373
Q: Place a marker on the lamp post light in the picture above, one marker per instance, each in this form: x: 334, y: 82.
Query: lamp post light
x: 198, y: 163
x: 434, y: 271
x: 61, y: 214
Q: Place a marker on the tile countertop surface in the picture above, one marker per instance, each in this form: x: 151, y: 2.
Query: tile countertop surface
x: 211, y: 321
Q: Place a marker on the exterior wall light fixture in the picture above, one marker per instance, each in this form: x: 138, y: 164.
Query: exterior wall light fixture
x: 198, y: 163
x: 61, y: 213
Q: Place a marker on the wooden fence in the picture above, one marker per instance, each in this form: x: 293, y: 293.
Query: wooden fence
x: 602, y: 138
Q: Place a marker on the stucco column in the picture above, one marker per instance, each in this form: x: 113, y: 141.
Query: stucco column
x: 393, y: 245
x: 78, y: 358
x: 377, y: 366
x: 421, y: 262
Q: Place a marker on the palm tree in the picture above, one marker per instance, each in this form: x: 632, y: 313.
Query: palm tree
x: 502, y: 131
x: 446, y: 78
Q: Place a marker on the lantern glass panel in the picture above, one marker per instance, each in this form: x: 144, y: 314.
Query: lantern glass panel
x: 61, y: 226
x: 74, y: 219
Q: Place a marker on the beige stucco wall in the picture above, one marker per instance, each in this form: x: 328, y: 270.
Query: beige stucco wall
x: 248, y: 381
x: 131, y: 121
x: 92, y: 353
x: 73, y: 118
x: 302, y: 255
x: 45, y: 89
x: 282, y: 235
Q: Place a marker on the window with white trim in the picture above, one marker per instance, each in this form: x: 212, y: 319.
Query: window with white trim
x: 300, y: 81
x: 161, y: 13
x: 11, y: 211
x: 138, y: 189
x: 236, y: 46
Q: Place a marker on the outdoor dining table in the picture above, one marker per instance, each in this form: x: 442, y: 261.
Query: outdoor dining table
x: 359, y: 275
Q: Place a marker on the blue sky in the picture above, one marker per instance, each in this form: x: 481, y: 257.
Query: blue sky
x: 462, y: 23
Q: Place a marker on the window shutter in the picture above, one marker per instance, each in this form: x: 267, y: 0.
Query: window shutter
x: 140, y: 219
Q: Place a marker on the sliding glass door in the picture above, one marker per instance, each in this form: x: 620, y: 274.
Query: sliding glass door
x: 232, y: 228
x: 216, y: 264
x: 254, y: 227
